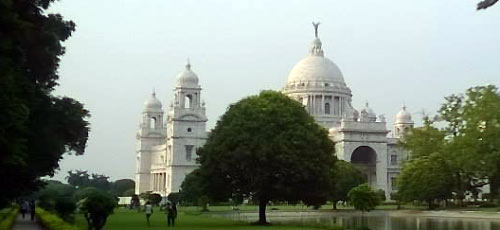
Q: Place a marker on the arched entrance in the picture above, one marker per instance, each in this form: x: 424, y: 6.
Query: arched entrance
x: 365, y: 159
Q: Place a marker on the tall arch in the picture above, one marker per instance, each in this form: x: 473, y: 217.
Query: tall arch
x: 364, y: 158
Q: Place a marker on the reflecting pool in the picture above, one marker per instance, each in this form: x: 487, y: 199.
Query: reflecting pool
x: 382, y: 220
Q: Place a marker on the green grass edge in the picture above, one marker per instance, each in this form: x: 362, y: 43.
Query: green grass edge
x: 9, y: 218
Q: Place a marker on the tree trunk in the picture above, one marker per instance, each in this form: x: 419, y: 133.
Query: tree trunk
x: 334, y: 205
x: 262, y: 212
x: 430, y: 204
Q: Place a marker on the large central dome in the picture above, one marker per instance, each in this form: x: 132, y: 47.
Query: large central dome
x: 315, y: 68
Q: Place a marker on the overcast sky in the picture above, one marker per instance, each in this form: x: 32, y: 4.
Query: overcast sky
x: 390, y: 52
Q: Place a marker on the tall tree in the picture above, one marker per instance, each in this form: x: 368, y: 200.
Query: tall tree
x: 78, y: 178
x: 267, y: 147
x: 36, y: 128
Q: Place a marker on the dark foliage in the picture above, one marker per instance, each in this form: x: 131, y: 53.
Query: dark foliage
x: 267, y: 147
x: 36, y: 128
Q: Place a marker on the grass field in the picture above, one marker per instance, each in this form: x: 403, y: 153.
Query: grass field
x: 124, y: 219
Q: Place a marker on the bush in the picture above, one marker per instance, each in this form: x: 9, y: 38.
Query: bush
x: 51, y: 221
x: 8, y: 218
x: 363, y: 198
x: 96, y: 206
x: 65, y: 208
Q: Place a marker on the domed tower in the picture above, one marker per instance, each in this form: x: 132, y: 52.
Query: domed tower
x: 318, y: 84
x: 151, y: 133
x: 403, y: 123
x: 186, y: 122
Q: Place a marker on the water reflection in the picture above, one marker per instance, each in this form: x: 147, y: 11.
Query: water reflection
x: 374, y: 220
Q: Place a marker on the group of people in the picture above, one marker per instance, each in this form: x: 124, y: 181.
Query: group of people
x: 170, y: 209
x: 27, y: 207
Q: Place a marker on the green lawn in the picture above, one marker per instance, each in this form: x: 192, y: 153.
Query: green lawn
x: 125, y: 219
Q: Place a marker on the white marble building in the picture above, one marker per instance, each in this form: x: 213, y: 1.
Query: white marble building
x: 166, y: 146
x: 361, y: 138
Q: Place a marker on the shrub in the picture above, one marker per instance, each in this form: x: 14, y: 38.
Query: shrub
x: 96, y: 206
x: 65, y: 208
x: 8, y: 219
x: 363, y: 198
x: 51, y: 221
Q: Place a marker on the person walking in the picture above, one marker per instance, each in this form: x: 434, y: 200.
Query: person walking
x: 171, y: 214
x: 148, y: 208
x: 32, y: 209
x: 24, y: 208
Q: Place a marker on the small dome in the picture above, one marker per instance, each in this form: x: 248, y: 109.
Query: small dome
x: 369, y: 111
x: 403, y: 116
x: 187, y: 78
x: 152, y: 103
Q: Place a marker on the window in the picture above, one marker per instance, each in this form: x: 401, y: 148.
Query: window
x: 152, y: 123
x: 327, y: 108
x: 189, y: 130
x: 188, y: 101
x: 394, y: 183
x: 394, y: 159
x: 189, y: 150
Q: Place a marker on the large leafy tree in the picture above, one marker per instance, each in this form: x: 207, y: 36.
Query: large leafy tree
x: 36, y: 127
x: 468, y: 142
x: 426, y: 179
x: 474, y: 119
x: 268, y: 148
x: 346, y: 177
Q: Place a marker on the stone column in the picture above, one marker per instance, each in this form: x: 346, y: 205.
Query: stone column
x: 322, y: 104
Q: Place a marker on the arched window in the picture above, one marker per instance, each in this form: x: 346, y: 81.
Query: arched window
x: 152, y: 123
x: 188, y: 101
x: 327, y: 108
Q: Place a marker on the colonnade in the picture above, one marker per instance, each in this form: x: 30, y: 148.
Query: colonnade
x: 159, y: 181
x: 317, y: 104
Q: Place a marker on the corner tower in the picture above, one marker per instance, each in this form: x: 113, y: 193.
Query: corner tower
x: 186, y: 122
x: 151, y: 133
x: 403, y: 123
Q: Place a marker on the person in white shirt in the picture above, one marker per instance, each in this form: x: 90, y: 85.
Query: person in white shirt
x: 148, y: 208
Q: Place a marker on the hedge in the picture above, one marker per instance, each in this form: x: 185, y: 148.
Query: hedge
x: 52, y: 221
x: 8, y: 218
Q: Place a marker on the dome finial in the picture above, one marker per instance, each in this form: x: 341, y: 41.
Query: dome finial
x: 154, y: 93
x: 188, y: 65
x: 316, y: 44
x: 315, y: 24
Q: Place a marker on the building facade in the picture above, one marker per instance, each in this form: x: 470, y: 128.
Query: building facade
x: 361, y: 137
x: 166, y: 145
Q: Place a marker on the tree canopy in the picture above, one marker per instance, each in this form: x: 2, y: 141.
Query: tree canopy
x: 267, y: 147
x: 467, y: 144
x: 36, y: 127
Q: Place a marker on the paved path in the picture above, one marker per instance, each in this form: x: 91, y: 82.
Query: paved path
x: 25, y: 224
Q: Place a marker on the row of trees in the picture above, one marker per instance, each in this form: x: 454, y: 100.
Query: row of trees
x: 82, y: 179
x: 456, y: 153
